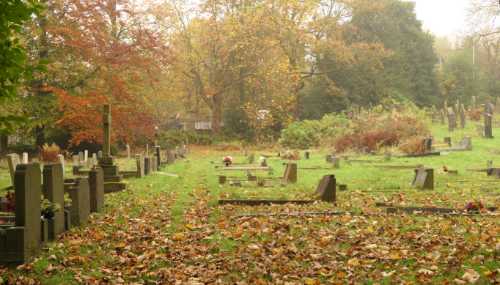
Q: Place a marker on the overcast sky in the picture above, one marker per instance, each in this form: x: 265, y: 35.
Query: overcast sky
x: 443, y: 17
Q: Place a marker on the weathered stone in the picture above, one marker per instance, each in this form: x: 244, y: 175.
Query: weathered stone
x: 170, y: 156
x: 80, y: 200
x: 447, y: 140
x: 158, y: 157
x: 61, y: 160
x: 427, y: 144
x: 147, y: 165
x: 96, y: 188
x: 466, y: 143
x: 424, y: 178
x: 327, y: 189
x: 140, y: 166
x: 25, y: 159
x: 128, y: 151
x: 13, y: 161
x: 53, y: 190
x: 20, y: 243
x: 307, y: 155
x: 290, y: 175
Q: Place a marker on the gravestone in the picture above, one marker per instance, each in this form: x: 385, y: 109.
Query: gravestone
x: 447, y: 140
x: 25, y: 159
x: 79, y: 193
x: 13, y: 161
x: 53, y: 190
x: 76, y: 160
x: 427, y: 144
x: 128, y: 151
x: 96, y: 189
x: 85, y: 155
x: 462, y: 115
x: 290, y: 175
x: 170, y: 156
x: 112, y: 178
x: 327, y: 189
x: 147, y: 149
x: 99, y: 154
x: 452, y: 119
x: 466, y: 143
x: 158, y: 156
x: 153, y: 164
x: 147, y: 165
x: 60, y: 159
x: 307, y: 155
x: 21, y: 242
x: 488, y: 121
x: 424, y: 178
x: 81, y: 157
x: 139, y: 162
x: 442, y: 116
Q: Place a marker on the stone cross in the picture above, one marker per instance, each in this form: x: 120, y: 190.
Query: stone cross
x: 106, y: 120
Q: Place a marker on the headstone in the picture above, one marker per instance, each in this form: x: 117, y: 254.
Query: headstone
x: 488, y: 121
x: 147, y: 149
x: 81, y: 157
x: 153, y: 163
x: 20, y: 243
x: 99, y: 154
x: 327, y: 189
x: 76, y: 160
x: 158, y: 156
x: 427, y: 145
x: 307, y: 155
x: 13, y: 161
x: 25, y: 159
x: 53, y: 190
x: 60, y: 158
x: 147, y: 165
x: 442, y: 116
x: 128, y: 151
x: 95, y: 157
x: 170, y: 157
x: 447, y: 140
x: 85, y: 155
x: 424, y: 178
x: 140, y: 165
x: 290, y: 175
x: 466, y: 143
x: 80, y: 200
x: 452, y: 119
x: 96, y: 189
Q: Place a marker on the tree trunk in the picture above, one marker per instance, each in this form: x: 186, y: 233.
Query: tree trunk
x: 217, y: 114
x: 4, y: 143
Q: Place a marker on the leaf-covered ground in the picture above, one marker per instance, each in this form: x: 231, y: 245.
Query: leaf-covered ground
x: 170, y: 230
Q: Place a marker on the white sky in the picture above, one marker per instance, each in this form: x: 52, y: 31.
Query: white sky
x: 443, y: 17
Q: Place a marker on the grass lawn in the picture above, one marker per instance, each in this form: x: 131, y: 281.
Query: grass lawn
x: 169, y: 230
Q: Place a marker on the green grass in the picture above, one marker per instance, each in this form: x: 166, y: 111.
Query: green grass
x: 170, y: 228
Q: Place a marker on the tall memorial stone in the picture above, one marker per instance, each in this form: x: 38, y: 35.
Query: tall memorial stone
x: 112, y: 179
x: 488, y: 120
x: 53, y: 190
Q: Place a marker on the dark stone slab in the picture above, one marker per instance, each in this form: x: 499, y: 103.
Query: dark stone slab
x: 424, y: 178
x: 157, y: 150
x: 290, y: 175
x: 79, y: 193
x: 147, y: 165
x: 96, y: 187
x: 140, y: 166
x: 53, y: 190
x: 327, y: 189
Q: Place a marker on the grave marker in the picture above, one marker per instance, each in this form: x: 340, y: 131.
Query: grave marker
x: 452, y: 119
x: 290, y: 175
x: 327, y: 189
x: 53, y: 190
x: 128, y: 151
x: 79, y: 193
x: 424, y: 178
x: 60, y: 158
x: 96, y: 188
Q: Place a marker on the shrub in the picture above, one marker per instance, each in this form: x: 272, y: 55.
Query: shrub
x: 48, y: 153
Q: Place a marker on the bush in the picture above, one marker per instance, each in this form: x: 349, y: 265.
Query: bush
x: 313, y: 133
x: 49, y: 153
